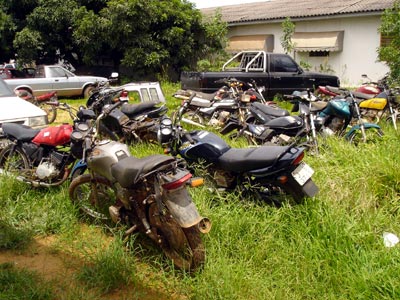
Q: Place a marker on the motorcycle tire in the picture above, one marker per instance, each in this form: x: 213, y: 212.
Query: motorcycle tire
x: 182, y: 245
x: 194, y: 117
x: 13, y: 160
x: 92, y: 195
x: 372, y: 135
x: 50, y: 110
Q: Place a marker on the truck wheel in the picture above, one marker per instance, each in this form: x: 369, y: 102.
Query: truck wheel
x: 88, y: 91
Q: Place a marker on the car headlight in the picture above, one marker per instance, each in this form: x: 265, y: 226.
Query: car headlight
x: 38, y: 121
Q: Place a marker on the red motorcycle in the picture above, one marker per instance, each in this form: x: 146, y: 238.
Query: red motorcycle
x: 48, y: 102
x: 41, y: 157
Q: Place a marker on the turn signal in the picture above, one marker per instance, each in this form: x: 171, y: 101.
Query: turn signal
x: 283, y: 179
x: 194, y: 182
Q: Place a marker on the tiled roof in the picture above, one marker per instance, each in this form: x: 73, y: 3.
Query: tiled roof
x: 280, y: 9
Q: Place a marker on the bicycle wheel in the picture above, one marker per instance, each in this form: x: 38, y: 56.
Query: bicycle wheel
x: 13, y: 160
x: 372, y: 135
x: 92, y: 195
x: 50, y: 110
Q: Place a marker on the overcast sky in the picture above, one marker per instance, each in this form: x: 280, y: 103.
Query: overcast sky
x: 214, y: 3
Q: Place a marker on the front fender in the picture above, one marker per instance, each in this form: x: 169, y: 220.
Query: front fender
x: 357, y: 127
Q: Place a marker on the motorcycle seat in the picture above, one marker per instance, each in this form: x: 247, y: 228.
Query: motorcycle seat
x: 250, y: 159
x: 20, y: 132
x: 136, y: 108
x: 270, y: 110
x: 318, y: 105
x: 128, y: 170
x: 184, y: 94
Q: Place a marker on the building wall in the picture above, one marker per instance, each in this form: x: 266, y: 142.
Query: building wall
x: 358, y: 56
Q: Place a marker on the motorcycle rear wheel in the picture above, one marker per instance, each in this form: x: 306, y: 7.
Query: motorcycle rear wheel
x: 92, y: 195
x: 13, y: 160
x: 182, y: 245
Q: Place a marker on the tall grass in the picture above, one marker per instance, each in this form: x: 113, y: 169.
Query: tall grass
x: 330, y: 247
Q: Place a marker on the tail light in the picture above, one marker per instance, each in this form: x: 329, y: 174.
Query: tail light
x: 298, y: 159
x: 177, y: 183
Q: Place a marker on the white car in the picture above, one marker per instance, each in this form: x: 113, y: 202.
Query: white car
x: 16, y: 110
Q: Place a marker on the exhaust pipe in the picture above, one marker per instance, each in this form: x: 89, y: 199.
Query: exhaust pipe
x: 204, y: 225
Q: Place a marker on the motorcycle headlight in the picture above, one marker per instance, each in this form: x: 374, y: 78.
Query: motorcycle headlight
x: 164, y: 133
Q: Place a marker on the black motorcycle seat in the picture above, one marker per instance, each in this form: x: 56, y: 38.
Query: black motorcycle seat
x: 20, y: 132
x: 249, y: 159
x: 131, y: 109
x: 270, y: 110
x: 127, y: 171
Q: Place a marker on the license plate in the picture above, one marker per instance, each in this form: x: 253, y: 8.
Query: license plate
x: 302, y: 173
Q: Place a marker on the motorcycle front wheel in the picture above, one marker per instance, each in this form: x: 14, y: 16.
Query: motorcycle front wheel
x: 13, y: 160
x: 182, y: 245
x: 191, y: 116
x: 92, y: 195
x: 50, y: 110
x: 372, y: 135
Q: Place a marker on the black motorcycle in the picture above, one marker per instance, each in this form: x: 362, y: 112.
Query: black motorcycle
x: 272, y: 173
x: 131, y: 123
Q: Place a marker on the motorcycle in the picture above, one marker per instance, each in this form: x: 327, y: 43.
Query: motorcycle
x: 260, y: 124
x: 376, y: 101
x: 130, y: 123
x: 216, y: 108
x: 40, y: 157
x: 333, y: 117
x: 146, y: 195
x: 48, y: 102
x: 271, y: 173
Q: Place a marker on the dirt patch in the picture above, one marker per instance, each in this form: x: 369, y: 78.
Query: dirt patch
x: 59, y: 268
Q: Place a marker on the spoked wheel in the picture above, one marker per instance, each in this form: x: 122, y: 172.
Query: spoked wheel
x: 238, y: 135
x: 13, y: 161
x: 191, y: 117
x: 93, y: 195
x: 182, y: 245
x: 389, y: 120
x: 50, y: 110
x: 372, y: 135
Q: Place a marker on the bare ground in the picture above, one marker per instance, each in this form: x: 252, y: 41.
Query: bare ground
x: 59, y: 267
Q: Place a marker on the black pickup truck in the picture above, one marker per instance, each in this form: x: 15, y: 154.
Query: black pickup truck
x: 276, y: 73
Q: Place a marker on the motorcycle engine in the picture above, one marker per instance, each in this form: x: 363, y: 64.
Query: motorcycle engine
x: 223, y: 178
x: 219, y: 118
x: 48, y: 167
x: 336, y: 124
x: 46, y: 170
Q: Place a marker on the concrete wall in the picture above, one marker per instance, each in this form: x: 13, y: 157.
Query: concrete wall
x: 360, y: 43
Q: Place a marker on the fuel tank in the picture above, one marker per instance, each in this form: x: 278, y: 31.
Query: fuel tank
x: 337, y: 107
x: 207, y: 145
x: 104, y: 155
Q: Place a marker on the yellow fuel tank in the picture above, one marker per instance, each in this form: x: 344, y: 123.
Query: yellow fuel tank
x: 374, y: 103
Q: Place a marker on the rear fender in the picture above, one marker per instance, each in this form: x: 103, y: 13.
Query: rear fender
x: 181, y: 206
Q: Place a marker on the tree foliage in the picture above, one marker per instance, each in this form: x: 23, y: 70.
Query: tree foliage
x: 152, y: 36
x: 390, y: 54
x: 288, y: 28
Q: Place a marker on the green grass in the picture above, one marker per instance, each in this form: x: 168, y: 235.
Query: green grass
x: 330, y: 247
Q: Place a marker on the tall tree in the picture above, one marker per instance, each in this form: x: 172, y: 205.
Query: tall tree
x: 390, y: 53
